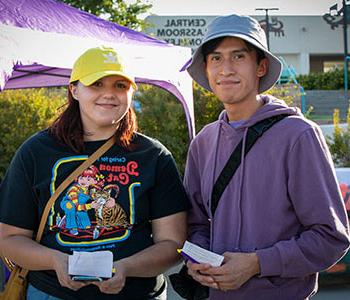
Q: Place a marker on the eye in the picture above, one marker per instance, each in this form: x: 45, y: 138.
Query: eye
x: 97, y: 83
x: 238, y: 56
x: 215, y: 58
x: 122, y: 85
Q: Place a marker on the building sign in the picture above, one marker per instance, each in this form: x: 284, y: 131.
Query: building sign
x: 335, y: 17
x: 188, y: 31
x: 275, y: 26
x: 183, y: 32
x: 179, y: 30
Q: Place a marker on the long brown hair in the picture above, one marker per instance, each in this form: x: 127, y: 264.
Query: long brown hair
x: 68, y: 128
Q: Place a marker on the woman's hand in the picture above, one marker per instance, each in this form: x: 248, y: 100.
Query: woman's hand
x: 115, y: 284
x: 60, y: 265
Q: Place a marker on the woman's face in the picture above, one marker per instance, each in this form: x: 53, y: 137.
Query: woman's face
x: 103, y: 104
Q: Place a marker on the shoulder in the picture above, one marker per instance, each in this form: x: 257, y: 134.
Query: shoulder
x: 39, y: 138
x: 37, y: 146
x: 206, y: 134
x: 298, y: 125
x: 145, y: 142
x: 293, y: 132
x: 35, y: 142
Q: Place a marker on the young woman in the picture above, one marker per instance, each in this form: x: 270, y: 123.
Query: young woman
x: 130, y: 201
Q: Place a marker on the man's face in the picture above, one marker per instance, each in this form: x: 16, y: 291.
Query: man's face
x: 233, y: 72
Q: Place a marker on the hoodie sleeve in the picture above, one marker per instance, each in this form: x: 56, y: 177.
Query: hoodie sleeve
x: 315, y: 196
x: 198, y: 219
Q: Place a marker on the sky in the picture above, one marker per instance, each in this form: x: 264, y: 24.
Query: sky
x: 222, y: 7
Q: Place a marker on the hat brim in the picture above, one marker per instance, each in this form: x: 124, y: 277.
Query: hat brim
x: 91, y: 78
x: 197, y: 66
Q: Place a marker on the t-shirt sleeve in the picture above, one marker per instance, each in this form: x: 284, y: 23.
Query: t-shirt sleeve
x: 18, y: 203
x: 168, y: 195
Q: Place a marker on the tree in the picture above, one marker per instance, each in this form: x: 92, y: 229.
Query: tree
x: 22, y: 113
x: 161, y: 116
x: 207, y: 107
x: 116, y: 11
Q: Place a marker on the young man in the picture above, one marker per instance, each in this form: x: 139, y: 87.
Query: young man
x: 281, y: 218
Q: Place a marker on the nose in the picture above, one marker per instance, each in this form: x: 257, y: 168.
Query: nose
x: 227, y: 68
x: 109, y: 93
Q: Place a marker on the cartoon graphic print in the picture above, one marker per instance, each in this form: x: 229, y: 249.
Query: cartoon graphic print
x: 108, y: 212
x: 98, y: 210
x: 95, y: 211
x: 74, y: 203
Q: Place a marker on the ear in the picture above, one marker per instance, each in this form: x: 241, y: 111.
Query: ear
x: 262, y: 67
x: 73, y: 89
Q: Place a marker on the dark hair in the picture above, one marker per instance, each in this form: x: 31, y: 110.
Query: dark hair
x: 68, y: 128
x: 210, y: 47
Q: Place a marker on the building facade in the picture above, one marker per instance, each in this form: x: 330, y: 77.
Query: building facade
x: 306, y: 43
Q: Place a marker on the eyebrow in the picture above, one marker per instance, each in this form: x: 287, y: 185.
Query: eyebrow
x: 233, y: 51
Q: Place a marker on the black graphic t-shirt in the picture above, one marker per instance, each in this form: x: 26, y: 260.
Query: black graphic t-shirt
x: 108, y: 207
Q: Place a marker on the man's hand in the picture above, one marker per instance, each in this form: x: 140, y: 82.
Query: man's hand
x: 197, y: 272
x: 237, y: 269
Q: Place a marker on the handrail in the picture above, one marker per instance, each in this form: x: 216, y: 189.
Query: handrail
x: 346, y: 59
x: 295, y: 81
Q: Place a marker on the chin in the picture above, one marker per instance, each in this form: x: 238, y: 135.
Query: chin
x: 228, y: 98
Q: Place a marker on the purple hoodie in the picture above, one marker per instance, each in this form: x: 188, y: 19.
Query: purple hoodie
x: 283, y: 203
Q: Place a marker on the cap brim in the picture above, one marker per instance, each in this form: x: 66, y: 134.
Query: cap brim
x: 197, y: 66
x: 90, y: 79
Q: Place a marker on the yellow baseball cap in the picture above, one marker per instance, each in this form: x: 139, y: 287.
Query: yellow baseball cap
x: 97, y: 63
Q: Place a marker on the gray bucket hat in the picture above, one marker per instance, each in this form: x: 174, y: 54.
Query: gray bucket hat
x: 247, y: 29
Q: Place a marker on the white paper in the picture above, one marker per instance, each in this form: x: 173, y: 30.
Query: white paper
x: 202, y: 255
x: 97, y: 264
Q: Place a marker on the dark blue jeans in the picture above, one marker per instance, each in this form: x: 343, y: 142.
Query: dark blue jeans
x: 35, y: 294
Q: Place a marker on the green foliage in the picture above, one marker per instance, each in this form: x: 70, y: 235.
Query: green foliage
x: 290, y: 93
x: 22, y: 113
x: 339, y: 144
x: 206, y: 107
x: 116, y: 11
x: 163, y: 118
x: 333, y: 80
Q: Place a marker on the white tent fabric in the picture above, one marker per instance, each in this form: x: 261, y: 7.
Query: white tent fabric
x: 150, y: 62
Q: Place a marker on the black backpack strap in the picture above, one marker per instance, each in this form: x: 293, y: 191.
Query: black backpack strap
x: 254, y: 132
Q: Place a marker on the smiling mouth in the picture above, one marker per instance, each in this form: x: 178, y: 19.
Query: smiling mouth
x: 227, y: 82
x: 107, y: 105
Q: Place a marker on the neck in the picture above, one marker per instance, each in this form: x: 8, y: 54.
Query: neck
x: 243, y: 110
x: 98, y: 135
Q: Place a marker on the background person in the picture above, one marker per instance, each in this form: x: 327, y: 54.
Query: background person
x: 281, y: 219
x: 136, y: 180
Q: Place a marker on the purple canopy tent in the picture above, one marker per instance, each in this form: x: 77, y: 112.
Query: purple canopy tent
x: 40, y: 39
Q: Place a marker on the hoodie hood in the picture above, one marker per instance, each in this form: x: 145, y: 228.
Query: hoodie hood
x: 272, y: 107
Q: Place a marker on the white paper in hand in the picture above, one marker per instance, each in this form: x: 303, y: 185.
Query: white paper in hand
x: 202, y: 255
x: 97, y: 264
